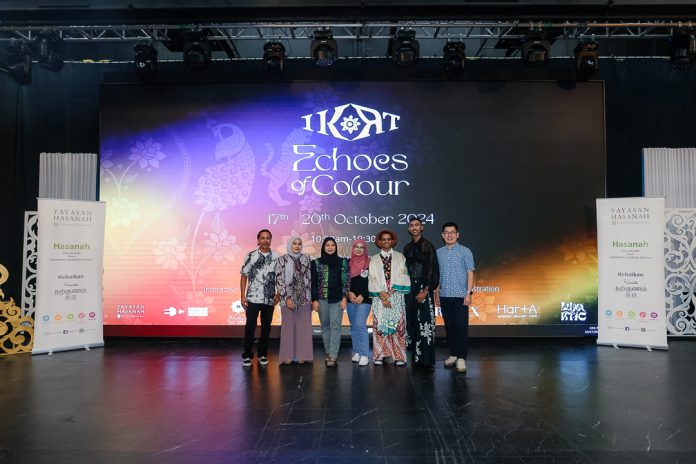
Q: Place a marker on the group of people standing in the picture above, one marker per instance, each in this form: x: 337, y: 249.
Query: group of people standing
x: 400, y: 290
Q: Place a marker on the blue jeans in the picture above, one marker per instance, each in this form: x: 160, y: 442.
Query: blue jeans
x: 357, y: 314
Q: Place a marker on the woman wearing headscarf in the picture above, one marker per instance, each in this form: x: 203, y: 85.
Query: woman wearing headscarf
x: 359, y: 302
x: 293, y: 284
x: 330, y: 283
x: 388, y: 282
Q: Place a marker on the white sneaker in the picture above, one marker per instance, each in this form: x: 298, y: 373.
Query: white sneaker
x: 356, y: 358
x: 461, y: 365
x: 378, y: 362
x: 400, y: 363
x: 363, y: 361
x: 449, y: 362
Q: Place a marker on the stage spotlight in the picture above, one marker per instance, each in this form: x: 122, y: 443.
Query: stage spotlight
x: 48, y: 48
x: 586, y: 60
x: 273, y: 59
x: 404, y: 49
x: 197, y: 50
x: 683, y: 49
x: 145, y: 62
x: 323, y: 49
x: 455, y: 59
x: 536, y: 51
x: 19, y: 62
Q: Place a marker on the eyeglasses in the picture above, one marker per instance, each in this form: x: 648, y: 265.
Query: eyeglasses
x: 450, y: 233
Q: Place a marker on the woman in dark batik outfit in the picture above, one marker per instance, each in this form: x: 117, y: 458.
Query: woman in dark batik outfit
x: 330, y: 285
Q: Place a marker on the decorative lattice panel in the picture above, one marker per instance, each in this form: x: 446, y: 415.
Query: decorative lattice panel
x: 680, y: 271
x: 29, y: 265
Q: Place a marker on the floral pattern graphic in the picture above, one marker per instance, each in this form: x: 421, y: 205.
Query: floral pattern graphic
x: 169, y: 253
x: 147, y: 153
x: 121, y: 211
x: 221, y: 246
x: 310, y: 204
x: 225, y: 184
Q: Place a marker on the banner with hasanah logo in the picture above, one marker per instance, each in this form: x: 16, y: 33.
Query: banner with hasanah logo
x: 69, y: 275
x: 630, y: 237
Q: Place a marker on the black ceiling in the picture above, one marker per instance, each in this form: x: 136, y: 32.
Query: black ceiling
x: 99, y: 12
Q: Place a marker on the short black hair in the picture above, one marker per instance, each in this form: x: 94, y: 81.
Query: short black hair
x: 258, y: 236
x: 413, y: 217
x: 450, y: 224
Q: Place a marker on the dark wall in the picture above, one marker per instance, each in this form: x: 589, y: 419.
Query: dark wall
x: 648, y: 104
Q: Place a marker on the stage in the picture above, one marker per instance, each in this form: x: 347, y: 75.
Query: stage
x: 191, y: 401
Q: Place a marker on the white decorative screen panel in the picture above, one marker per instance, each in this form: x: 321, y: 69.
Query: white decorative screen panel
x: 680, y: 271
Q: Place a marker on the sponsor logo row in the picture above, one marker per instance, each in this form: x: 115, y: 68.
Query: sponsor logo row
x: 138, y: 311
x: 569, y: 311
x: 70, y: 316
x: 630, y: 314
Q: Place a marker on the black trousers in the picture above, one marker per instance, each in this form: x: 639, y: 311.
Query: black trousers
x: 456, y: 317
x: 412, y: 327
x: 252, y: 313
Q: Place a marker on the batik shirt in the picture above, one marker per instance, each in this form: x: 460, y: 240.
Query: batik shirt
x: 260, y: 272
x: 455, y: 263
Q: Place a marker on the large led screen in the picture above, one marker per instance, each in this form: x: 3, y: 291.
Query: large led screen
x: 191, y: 173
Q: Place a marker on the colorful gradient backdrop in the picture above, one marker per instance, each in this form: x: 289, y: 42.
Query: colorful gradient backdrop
x: 191, y: 173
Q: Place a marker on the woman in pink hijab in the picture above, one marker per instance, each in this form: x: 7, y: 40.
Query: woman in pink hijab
x: 359, y: 302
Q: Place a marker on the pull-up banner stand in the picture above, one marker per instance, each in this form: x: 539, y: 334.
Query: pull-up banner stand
x: 630, y: 242
x: 70, y: 259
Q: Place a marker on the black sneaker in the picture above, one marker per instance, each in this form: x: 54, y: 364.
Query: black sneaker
x: 246, y: 362
x: 263, y: 360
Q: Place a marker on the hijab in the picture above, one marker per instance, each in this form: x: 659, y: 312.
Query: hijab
x: 290, y: 267
x: 358, y: 263
x: 327, y: 259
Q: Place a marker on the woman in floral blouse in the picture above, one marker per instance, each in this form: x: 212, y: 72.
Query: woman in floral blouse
x: 293, y: 284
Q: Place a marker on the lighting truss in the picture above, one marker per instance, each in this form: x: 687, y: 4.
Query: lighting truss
x: 381, y: 30
x: 236, y: 33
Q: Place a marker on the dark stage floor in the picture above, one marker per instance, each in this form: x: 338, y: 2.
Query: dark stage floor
x: 522, y: 401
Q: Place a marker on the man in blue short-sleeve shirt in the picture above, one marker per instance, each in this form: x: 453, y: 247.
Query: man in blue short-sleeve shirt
x: 454, y: 293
